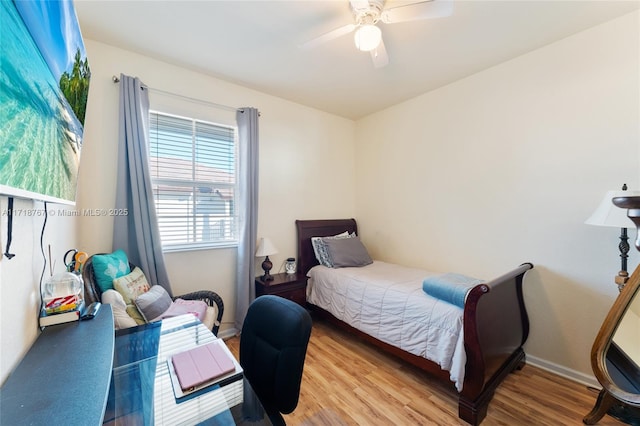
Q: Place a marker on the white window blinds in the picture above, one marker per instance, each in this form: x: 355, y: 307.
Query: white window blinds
x: 193, y: 173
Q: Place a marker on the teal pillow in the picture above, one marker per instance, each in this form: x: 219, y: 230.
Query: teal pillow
x: 108, y: 267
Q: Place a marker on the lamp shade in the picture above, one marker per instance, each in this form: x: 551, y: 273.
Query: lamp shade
x: 607, y: 214
x: 367, y: 37
x: 265, y: 248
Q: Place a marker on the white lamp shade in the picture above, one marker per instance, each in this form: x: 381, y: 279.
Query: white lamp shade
x: 265, y: 248
x: 608, y: 214
x: 367, y: 37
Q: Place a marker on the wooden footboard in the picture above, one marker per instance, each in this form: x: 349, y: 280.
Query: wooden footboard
x: 496, y: 326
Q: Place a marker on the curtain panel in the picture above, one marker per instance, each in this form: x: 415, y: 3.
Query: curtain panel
x: 137, y: 232
x: 247, y: 119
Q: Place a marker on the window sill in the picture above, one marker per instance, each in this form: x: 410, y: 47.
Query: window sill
x: 194, y: 247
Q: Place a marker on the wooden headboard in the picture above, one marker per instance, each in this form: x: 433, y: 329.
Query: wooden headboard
x: 318, y: 228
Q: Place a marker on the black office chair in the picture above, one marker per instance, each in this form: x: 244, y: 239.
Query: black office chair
x: 273, y: 345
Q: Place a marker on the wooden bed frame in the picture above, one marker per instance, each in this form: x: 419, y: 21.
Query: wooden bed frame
x: 496, y: 326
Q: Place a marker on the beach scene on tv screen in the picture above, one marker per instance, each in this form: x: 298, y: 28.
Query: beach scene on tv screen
x: 44, y: 83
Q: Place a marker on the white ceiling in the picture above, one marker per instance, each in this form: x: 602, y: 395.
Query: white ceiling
x: 256, y: 43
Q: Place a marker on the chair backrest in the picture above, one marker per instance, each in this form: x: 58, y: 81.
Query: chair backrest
x: 273, y: 346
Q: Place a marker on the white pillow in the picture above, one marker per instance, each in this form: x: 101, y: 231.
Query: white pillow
x: 120, y: 317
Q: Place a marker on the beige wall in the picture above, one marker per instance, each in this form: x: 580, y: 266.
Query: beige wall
x: 20, y: 276
x: 291, y: 185
x: 503, y: 167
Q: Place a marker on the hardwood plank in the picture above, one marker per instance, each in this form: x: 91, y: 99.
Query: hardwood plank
x: 349, y: 382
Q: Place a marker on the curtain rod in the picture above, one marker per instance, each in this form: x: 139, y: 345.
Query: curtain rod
x: 116, y: 79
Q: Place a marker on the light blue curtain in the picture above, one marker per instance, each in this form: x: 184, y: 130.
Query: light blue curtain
x: 247, y: 119
x: 137, y: 232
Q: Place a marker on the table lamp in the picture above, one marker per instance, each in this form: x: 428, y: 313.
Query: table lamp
x: 266, y: 248
x: 607, y: 214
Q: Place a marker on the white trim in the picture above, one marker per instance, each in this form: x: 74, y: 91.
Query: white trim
x: 567, y: 373
x: 228, y: 333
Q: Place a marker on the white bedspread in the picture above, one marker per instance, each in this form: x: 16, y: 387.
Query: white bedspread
x: 387, y: 302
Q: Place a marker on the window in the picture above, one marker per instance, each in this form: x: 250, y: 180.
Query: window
x: 193, y: 173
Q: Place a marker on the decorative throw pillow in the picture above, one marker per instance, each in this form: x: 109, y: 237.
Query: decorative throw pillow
x: 108, y: 267
x: 198, y: 308
x: 132, y: 285
x: 452, y: 288
x: 134, y: 313
x: 153, y: 303
x: 121, y: 318
x: 195, y: 307
x: 320, y: 249
x: 346, y: 252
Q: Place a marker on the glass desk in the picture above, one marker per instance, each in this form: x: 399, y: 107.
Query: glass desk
x: 142, y: 393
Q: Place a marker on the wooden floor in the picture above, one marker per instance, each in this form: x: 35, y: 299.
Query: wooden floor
x: 349, y: 382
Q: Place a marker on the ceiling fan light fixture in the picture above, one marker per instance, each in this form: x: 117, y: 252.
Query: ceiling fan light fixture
x: 367, y: 37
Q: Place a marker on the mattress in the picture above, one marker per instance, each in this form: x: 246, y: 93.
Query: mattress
x: 386, y: 301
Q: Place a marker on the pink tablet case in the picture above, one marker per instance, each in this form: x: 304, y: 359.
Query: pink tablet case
x: 201, y: 364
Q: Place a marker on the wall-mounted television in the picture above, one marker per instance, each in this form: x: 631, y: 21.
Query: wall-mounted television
x: 44, y: 84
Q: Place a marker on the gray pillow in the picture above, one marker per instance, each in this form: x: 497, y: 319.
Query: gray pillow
x: 153, y: 303
x: 347, y: 252
x: 320, y: 249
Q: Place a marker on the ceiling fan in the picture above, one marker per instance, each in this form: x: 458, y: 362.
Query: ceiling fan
x: 367, y: 14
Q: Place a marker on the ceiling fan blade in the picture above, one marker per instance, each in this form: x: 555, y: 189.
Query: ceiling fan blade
x: 379, y: 56
x: 422, y: 10
x: 331, y: 35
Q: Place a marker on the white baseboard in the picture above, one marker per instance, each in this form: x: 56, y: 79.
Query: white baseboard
x: 227, y: 333
x: 567, y: 373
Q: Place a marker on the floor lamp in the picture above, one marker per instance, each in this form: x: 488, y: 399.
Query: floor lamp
x: 607, y: 214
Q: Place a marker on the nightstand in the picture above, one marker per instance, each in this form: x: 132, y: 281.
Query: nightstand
x: 289, y: 286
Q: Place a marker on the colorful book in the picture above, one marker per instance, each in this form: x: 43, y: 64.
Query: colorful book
x: 202, y: 364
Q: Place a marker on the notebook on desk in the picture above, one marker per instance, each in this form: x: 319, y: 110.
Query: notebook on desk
x: 202, y: 364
